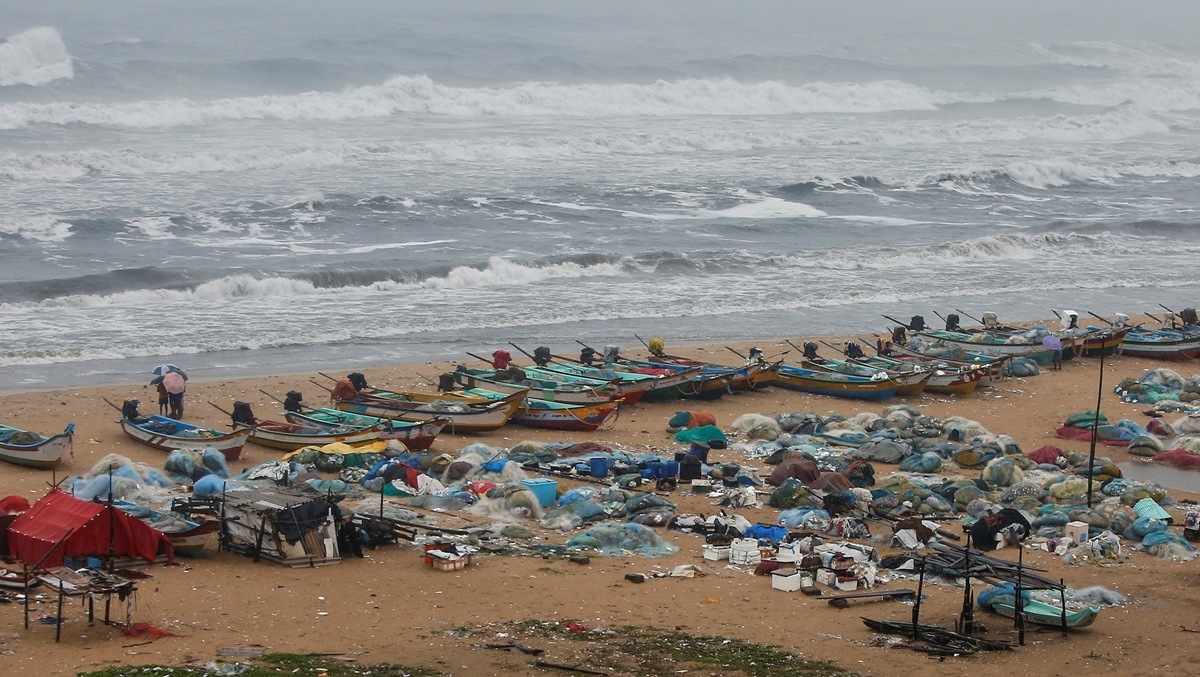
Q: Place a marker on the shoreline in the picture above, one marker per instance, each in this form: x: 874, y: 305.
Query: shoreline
x: 226, y: 599
x: 234, y: 364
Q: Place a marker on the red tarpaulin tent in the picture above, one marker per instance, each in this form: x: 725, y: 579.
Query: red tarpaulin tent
x: 89, y: 528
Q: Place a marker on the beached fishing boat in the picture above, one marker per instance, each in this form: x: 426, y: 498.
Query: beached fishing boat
x: 710, y: 384
x: 655, y: 384
x: 34, y: 450
x: 168, y: 434
x: 837, y: 385
x: 615, y: 387
x: 542, y: 388
x: 462, y: 415
x: 561, y: 416
x: 991, y: 365
x: 990, y: 343
x: 15, y: 579
x: 1094, y: 341
x: 289, y: 436
x: 416, y: 436
x: 1161, y: 344
x: 913, y: 379
x: 188, y: 537
x: 746, y: 377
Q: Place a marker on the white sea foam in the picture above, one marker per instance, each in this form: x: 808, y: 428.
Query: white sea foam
x: 763, y: 207
x: 39, y: 228
x: 500, y: 271
x: 34, y: 57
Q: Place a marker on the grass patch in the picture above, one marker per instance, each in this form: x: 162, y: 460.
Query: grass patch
x: 272, y: 665
x: 648, y: 651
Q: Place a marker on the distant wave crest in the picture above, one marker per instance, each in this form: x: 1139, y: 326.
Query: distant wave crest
x: 34, y: 57
x: 421, y: 95
x: 151, y: 285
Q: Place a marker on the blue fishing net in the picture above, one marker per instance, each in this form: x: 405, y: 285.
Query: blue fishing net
x: 617, y: 539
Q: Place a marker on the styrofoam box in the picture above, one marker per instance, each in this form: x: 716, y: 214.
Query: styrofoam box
x: 847, y: 583
x: 826, y: 577
x: 716, y: 552
x: 787, y: 580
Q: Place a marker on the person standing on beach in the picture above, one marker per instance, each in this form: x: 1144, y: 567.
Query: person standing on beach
x: 175, y: 384
x: 1056, y: 347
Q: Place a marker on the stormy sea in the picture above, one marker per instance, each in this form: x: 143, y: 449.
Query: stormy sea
x: 251, y: 188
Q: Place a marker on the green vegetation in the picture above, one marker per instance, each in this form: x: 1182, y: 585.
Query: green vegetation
x: 647, y: 651
x: 634, y: 650
x: 269, y: 665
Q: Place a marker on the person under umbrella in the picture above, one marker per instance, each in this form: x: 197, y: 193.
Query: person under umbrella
x: 175, y: 385
x: 1055, y: 344
x: 165, y: 407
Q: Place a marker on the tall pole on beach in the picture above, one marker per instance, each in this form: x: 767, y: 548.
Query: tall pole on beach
x: 1095, y: 429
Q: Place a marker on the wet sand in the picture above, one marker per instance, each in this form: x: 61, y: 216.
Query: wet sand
x: 389, y: 607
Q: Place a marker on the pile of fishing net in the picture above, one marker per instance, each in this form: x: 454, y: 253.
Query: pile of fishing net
x: 617, y: 539
x: 1158, y: 385
x: 509, y: 502
x: 1180, y: 458
x: 117, y: 477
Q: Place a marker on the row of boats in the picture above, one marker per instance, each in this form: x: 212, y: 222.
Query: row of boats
x: 585, y: 393
x: 1178, y: 339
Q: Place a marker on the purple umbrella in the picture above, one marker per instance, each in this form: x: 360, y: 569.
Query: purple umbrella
x: 1052, y: 342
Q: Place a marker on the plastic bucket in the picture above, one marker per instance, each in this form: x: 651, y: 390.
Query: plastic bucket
x: 598, y: 467
x: 669, y: 469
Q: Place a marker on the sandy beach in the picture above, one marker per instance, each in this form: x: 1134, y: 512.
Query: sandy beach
x: 389, y: 607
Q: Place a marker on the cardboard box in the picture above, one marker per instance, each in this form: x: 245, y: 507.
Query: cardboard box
x: 1077, y: 531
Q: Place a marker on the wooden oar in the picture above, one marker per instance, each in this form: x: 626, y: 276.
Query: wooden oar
x: 214, y: 406
x: 887, y: 317
x: 482, y: 359
x: 837, y: 349
x: 112, y: 405
x: 964, y: 314
x: 520, y: 350
x: 302, y: 406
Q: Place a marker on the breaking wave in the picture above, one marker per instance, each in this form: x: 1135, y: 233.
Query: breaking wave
x: 34, y: 57
x: 150, y: 285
